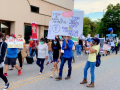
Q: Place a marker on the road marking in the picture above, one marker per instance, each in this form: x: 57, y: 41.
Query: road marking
x: 103, y: 58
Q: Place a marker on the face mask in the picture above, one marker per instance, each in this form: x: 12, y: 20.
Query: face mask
x: 41, y: 42
x: 55, y: 42
x: 60, y: 37
x: 10, y: 38
x: 66, y: 38
x: 30, y: 39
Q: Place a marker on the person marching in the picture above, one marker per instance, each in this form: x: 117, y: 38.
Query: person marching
x: 56, y: 48
x: 42, y: 54
x: 67, y: 47
x: 11, y: 58
x: 2, y: 55
x: 94, y: 49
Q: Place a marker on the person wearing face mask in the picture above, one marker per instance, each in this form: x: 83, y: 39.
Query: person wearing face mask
x: 30, y: 44
x: 2, y: 55
x: 67, y: 56
x: 94, y: 50
x: 56, y: 48
x: 42, y: 54
x: 11, y: 58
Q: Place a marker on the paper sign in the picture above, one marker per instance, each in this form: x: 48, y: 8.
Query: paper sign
x: 75, y: 39
x: 50, y: 36
x: 112, y: 44
x: 102, y: 40
x: 67, y: 23
x: 34, y: 30
x: 15, y: 43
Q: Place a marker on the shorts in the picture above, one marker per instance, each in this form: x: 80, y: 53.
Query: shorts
x: 55, y: 60
x: 10, y: 61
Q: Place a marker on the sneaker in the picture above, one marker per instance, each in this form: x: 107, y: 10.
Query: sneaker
x: 58, y: 78
x: 5, y: 74
x: 67, y: 78
x: 6, y: 86
x: 19, y: 72
x: 47, y: 63
x: 51, y: 76
x: 40, y: 73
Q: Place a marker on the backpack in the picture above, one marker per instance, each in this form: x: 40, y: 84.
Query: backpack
x: 98, y: 60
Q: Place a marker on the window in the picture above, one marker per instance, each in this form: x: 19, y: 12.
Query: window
x: 35, y: 9
x: 27, y: 33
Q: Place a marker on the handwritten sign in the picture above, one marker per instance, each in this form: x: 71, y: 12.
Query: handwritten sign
x: 15, y: 43
x: 50, y: 36
x: 67, y: 23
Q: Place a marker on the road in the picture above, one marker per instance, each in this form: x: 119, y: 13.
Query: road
x: 107, y: 76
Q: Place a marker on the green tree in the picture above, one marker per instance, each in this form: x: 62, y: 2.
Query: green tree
x: 86, y: 26
x: 110, y: 19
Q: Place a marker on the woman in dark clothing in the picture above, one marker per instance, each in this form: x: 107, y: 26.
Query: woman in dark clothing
x: 2, y: 55
x: 56, y: 47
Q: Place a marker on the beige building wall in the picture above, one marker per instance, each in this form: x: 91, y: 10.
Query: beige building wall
x: 18, y: 12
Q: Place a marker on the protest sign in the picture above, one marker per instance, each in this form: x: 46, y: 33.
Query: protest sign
x: 34, y: 30
x: 102, y: 40
x: 15, y: 43
x: 50, y: 36
x: 75, y: 39
x: 67, y: 23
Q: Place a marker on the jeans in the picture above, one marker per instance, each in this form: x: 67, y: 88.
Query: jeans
x: 73, y: 54
x: 50, y: 56
x: 112, y: 48
x: 78, y: 49
x: 69, y: 66
x: 40, y: 63
x: 2, y: 76
x: 34, y: 51
x: 116, y: 49
x: 30, y: 51
x: 90, y: 65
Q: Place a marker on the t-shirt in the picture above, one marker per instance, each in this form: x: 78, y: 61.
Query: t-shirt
x: 30, y: 43
x: 92, y: 56
x: 42, y: 51
x: 12, y: 52
x: 56, y: 49
x: 80, y: 42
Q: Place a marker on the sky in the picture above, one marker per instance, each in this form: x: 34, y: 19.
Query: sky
x: 93, y: 8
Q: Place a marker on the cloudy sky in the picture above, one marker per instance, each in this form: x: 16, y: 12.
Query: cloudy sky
x: 93, y: 8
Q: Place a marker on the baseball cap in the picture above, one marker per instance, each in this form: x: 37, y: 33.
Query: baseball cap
x: 13, y: 35
x: 42, y: 39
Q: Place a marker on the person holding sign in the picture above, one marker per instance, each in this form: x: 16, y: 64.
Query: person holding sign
x: 94, y: 49
x: 67, y: 56
x: 11, y: 58
x: 42, y: 54
x: 2, y: 55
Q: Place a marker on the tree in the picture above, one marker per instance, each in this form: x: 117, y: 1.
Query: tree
x: 86, y: 26
x: 110, y: 19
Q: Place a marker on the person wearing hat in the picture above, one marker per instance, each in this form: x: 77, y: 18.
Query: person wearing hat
x: 94, y: 49
x: 42, y: 54
x: 11, y: 58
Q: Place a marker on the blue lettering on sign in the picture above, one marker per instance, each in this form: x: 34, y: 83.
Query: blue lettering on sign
x: 56, y: 28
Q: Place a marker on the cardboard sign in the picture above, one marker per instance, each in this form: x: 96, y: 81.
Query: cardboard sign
x: 15, y: 43
x: 67, y: 23
x: 75, y: 39
x: 34, y: 30
x: 50, y: 36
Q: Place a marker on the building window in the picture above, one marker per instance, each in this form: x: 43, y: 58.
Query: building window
x: 27, y: 33
x: 34, y: 9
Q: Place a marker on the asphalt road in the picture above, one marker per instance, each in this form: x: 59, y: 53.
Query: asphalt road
x: 107, y: 76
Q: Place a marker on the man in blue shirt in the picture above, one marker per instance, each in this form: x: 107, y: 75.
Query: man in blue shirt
x: 67, y: 47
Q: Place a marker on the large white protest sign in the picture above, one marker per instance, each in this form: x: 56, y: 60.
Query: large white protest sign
x: 50, y: 36
x: 15, y: 43
x: 67, y: 23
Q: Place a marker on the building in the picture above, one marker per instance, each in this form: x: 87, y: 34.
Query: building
x: 17, y: 15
